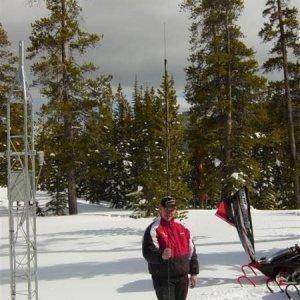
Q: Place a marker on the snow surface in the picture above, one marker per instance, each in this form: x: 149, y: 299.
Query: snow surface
x: 97, y: 254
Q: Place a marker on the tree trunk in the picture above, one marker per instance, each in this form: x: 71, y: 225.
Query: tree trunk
x: 291, y: 129
x: 297, y: 141
x: 72, y: 199
x: 71, y: 179
x: 226, y: 189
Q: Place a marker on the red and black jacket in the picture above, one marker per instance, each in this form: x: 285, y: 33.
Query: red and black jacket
x: 162, y: 234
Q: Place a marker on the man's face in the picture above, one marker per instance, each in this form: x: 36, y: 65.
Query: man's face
x: 168, y: 213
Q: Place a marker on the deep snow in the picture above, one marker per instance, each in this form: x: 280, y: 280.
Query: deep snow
x: 97, y: 254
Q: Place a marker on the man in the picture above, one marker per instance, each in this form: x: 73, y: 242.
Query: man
x: 170, y: 253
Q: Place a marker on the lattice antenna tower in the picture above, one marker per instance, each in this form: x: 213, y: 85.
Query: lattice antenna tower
x: 21, y: 189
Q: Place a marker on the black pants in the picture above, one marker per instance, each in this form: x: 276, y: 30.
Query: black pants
x: 174, y: 289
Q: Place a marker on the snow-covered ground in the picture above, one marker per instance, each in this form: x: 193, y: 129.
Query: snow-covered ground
x: 97, y: 254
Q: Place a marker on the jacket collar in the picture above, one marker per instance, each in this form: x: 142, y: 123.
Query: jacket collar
x: 165, y: 222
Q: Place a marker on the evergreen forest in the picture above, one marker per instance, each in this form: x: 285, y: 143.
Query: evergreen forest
x: 103, y: 145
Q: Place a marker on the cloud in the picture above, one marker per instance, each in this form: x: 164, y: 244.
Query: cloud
x: 133, y: 35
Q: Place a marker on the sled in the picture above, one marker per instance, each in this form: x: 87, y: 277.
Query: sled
x: 281, y: 268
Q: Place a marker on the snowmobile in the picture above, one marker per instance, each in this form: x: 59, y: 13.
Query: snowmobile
x: 281, y: 268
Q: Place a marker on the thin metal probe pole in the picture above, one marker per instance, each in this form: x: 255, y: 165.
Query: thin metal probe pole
x: 168, y: 154
x: 166, y: 90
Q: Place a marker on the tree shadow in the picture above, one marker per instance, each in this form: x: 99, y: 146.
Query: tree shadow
x: 279, y: 238
x: 86, y: 207
x: 233, y: 259
x: 72, y: 251
x: 86, y: 270
x: 3, y: 211
x: 276, y: 228
x: 45, y: 245
x: 284, y: 213
x: 212, y: 281
x: 144, y: 285
x: 200, y: 237
x: 45, y: 240
x: 99, y: 232
x: 278, y: 296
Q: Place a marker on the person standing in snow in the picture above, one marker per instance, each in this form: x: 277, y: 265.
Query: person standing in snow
x: 171, y: 255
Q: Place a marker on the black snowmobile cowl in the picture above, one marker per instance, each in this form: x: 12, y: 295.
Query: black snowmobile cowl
x: 282, y: 267
x: 288, y: 259
x: 282, y: 255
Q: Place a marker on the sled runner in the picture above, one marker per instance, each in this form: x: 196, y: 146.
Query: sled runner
x: 280, y: 268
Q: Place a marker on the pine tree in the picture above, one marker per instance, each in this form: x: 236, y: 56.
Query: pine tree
x: 151, y: 145
x: 282, y: 29
x: 123, y: 177
x: 137, y: 131
x: 144, y: 146
x: 57, y: 41
x: 97, y: 152
x: 295, y: 88
x: 223, y: 89
x: 178, y: 165
x: 8, y: 74
x: 273, y: 187
x: 52, y: 178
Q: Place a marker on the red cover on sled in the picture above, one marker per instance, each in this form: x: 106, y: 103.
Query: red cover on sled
x: 235, y: 210
x: 222, y: 212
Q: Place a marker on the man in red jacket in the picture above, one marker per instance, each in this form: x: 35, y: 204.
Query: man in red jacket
x: 170, y: 253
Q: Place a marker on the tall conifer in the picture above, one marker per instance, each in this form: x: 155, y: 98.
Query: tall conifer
x: 123, y: 177
x: 57, y: 41
x: 223, y: 89
x: 150, y: 144
x: 8, y: 73
x: 178, y: 162
x: 97, y: 150
x: 282, y: 28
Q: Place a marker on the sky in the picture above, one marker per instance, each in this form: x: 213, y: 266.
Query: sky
x: 133, y: 36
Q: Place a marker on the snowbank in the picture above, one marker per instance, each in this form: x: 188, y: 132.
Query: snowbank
x: 97, y: 254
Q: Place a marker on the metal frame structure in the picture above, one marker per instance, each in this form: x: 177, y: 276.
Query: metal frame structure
x: 21, y: 189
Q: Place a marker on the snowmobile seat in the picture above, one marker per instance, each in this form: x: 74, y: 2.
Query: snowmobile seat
x: 280, y: 256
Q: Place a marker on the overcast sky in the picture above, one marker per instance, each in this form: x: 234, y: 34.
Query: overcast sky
x: 133, y: 36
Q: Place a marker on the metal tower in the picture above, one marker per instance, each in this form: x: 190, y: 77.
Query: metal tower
x: 21, y: 188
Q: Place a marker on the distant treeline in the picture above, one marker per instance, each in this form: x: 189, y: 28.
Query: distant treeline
x: 241, y: 129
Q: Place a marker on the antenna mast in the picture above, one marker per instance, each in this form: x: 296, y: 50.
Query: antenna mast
x: 167, y: 117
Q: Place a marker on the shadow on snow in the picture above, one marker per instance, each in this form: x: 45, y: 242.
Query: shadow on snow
x: 85, y: 270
